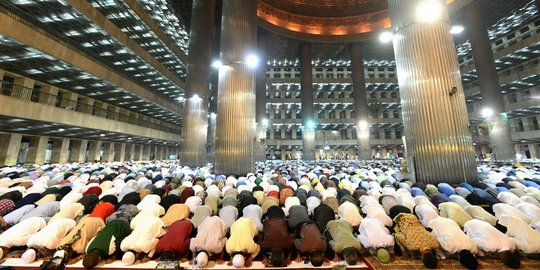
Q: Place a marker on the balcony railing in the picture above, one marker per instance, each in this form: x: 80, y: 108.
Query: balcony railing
x: 34, y: 95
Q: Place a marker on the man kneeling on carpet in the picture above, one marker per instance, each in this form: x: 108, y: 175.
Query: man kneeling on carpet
x: 276, y: 241
x: 454, y: 241
x: 240, y: 245
x: 342, y: 241
x: 143, y: 240
x: 210, y: 240
x: 411, y: 236
x: 106, y: 243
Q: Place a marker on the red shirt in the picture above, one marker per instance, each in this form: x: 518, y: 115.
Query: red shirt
x: 103, y: 210
x: 177, y: 238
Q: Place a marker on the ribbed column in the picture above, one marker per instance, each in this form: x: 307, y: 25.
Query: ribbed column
x: 436, y: 123
x: 360, y: 103
x: 60, y: 150
x: 131, y: 152
x: 235, y: 131
x: 94, y: 151
x: 262, y: 121
x: 195, y: 124
x: 488, y: 80
x: 120, y: 152
x: 78, y: 150
x: 108, y: 151
x: 36, y: 149
x: 308, y: 116
x: 10, y: 145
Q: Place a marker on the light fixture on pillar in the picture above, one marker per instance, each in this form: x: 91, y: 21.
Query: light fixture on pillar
x: 363, y: 124
x: 252, y: 60
x: 386, y: 37
x: 310, y: 124
x: 457, y: 29
x: 265, y: 122
x: 217, y: 64
x: 487, y: 112
x: 429, y: 11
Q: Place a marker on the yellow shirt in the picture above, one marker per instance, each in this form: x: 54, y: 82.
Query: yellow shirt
x: 176, y: 212
x: 241, y: 241
x: 454, y: 212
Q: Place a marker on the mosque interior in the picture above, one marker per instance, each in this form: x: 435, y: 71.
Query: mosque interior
x: 345, y: 99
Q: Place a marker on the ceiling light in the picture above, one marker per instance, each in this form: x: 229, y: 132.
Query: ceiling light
x: 102, y: 135
x: 429, y: 11
x: 386, y: 37
x: 457, y: 29
x: 61, y: 130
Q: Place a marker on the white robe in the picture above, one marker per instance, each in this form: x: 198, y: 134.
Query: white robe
x: 373, y: 234
x: 19, y: 234
x: 450, y: 236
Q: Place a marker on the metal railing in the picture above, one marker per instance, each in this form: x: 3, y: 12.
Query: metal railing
x: 37, y: 96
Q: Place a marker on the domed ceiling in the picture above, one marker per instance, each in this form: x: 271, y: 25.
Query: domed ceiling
x: 324, y: 20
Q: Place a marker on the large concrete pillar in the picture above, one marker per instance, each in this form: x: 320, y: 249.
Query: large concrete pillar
x: 131, y: 151
x: 48, y: 94
x: 438, y: 140
x: 94, y: 150
x: 235, y: 132
x: 211, y: 142
x: 360, y: 103
x: 78, y: 150
x: 138, y: 152
x: 60, y: 150
x: 500, y: 137
x: 10, y: 145
x: 24, y: 92
x: 36, y: 149
x: 145, y: 152
x: 194, y: 129
x: 120, y: 152
x: 108, y: 151
x: 262, y: 121
x: 534, y: 150
x: 308, y: 115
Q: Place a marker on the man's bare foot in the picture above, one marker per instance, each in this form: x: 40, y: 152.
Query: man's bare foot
x: 145, y: 259
x: 220, y: 261
x: 110, y: 260
x: 229, y: 263
x: 336, y: 258
x: 298, y: 259
x: 185, y: 259
x: 265, y: 262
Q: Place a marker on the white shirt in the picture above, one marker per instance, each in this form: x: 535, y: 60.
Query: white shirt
x: 51, y: 235
x: 501, y: 209
x: 71, y: 197
x: 526, y: 238
x: 211, y: 236
x: 405, y: 198
x: 290, y: 202
x: 376, y: 211
x: 149, y: 199
x: 312, y: 203
x: 459, y: 200
x: 450, y: 236
x: 366, y: 199
x: 144, y: 238
x: 487, y: 237
x: 15, y: 216
x: 373, y: 234
x: 426, y: 213
x: 19, y: 234
x: 530, y: 210
x: 480, y: 213
x: 509, y: 198
x: 150, y: 210
x: 349, y: 212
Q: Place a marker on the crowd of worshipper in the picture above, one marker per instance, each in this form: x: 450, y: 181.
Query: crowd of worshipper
x: 310, y: 212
